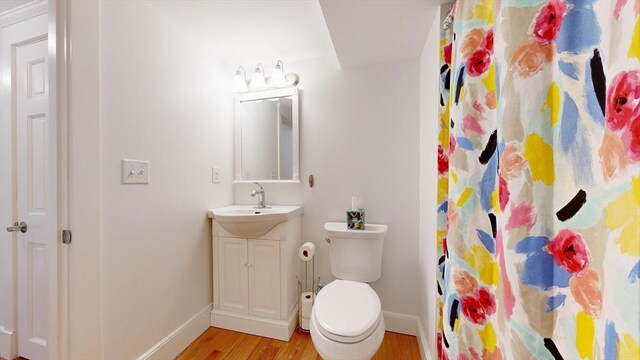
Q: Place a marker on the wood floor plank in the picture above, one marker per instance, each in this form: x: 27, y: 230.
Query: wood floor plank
x: 200, y: 343
x: 231, y: 340
x: 207, y: 344
x: 405, y: 345
x: 271, y: 352
x: 305, y: 342
x: 216, y: 343
x: 257, y: 352
x: 291, y: 347
x: 415, y: 350
x: 214, y: 355
x: 278, y: 343
x: 392, y: 350
x: 223, y: 342
x: 244, y: 348
x: 310, y: 352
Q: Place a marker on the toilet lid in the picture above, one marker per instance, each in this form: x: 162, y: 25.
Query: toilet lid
x: 347, y: 309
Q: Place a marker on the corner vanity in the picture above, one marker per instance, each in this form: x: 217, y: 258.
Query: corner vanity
x: 255, y: 247
x: 256, y: 269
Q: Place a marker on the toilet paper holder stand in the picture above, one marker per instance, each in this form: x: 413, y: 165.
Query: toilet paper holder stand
x: 315, y: 287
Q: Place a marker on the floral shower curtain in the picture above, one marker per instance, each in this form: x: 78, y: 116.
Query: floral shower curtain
x: 539, y: 181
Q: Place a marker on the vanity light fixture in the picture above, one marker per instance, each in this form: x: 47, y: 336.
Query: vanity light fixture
x: 240, y: 81
x: 277, y: 76
x: 257, y: 79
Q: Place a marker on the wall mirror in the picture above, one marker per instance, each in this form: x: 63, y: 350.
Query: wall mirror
x: 267, y: 136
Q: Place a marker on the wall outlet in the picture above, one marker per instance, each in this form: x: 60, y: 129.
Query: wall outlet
x: 135, y: 171
x: 215, y: 173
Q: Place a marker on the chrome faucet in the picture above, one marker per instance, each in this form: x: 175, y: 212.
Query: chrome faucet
x: 260, y: 194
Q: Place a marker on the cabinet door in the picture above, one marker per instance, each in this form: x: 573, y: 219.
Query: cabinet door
x: 233, y: 275
x: 264, y: 278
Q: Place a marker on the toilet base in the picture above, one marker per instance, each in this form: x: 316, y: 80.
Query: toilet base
x: 332, y: 350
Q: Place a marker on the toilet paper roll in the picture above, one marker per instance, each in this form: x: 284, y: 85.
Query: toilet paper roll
x: 304, y: 323
x: 306, y: 251
x: 306, y: 303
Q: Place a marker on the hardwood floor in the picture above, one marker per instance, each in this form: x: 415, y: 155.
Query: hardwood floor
x: 218, y: 343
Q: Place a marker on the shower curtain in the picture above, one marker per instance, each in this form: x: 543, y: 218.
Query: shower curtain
x: 538, y: 233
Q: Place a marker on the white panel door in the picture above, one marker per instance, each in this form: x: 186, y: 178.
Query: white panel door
x: 36, y: 198
x: 264, y: 278
x: 233, y: 275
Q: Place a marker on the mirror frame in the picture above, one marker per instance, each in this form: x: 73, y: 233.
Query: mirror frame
x: 295, y: 141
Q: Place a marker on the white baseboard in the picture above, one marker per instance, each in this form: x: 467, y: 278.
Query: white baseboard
x: 400, y: 323
x: 8, y: 344
x: 275, y: 329
x: 408, y: 325
x: 425, y: 353
x: 173, y: 344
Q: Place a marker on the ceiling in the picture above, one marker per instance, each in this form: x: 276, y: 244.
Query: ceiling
x: 247, y: 32
x: 374, y: 32
x: 10, y: 4
x: 357, y: 32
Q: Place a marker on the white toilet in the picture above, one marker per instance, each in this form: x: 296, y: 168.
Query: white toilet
x: 346, y: 319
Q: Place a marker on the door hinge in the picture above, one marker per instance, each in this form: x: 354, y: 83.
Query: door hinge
x: 66, y: 237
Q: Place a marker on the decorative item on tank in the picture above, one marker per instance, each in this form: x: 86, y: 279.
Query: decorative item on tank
x: 355, y: 219
x: 355, y: 215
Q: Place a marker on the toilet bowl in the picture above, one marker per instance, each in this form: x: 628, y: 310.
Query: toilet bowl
x: 346, y: 318
x: 346, y: 321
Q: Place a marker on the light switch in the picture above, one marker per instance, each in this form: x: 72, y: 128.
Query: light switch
x: 216, y: 175
x: 135, y: 171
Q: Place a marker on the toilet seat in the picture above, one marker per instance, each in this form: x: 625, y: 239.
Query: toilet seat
x: 347, y: 311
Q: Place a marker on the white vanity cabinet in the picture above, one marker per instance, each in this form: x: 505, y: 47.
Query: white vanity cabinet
x: 249, y: 279
x: 255, y: 286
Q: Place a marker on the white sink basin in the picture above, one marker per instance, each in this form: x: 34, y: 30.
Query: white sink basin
x: 249, y: 222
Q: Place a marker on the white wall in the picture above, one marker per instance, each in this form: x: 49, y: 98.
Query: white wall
x: 85, y: 299
x: 359, y: 136
x: 162, y: 99
x: 429, y: 97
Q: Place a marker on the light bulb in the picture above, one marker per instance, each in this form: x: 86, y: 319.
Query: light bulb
x: 239, y: 84
x: 277, y: 76
x: 257, y: 79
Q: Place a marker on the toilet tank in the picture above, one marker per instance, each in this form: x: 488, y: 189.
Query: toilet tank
x: 355, y: 254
